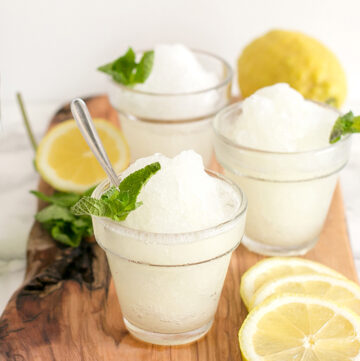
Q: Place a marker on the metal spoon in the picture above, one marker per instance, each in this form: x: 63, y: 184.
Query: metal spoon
x: 87, y: 128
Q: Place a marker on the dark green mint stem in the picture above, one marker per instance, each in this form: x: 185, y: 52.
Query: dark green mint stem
x: 26, y: 121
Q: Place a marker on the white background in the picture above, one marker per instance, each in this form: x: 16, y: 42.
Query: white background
x: 50, y: 49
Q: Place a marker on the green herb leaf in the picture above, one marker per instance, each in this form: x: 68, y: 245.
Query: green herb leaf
x: 59, y: 198
x: 125, y: 70
x: 144, y: 68
x: 63, y: 234
x: 58, y: 220
x: 117, y: 203
x: 91, y: 206
x: 54, y: 212
x: 133, y: 183
x: 345, y: 124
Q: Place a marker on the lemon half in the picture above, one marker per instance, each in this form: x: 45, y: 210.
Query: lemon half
x: 66, y: 162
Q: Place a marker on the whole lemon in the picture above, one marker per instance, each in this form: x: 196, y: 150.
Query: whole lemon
x: 294, y: 58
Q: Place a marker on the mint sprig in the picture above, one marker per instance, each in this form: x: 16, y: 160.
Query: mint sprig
x: 125, y: 70
x: 117, y: 202
x: 57, y: 219
x: 345, y: 124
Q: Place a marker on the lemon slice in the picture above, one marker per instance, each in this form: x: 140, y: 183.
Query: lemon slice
x: 272, y: 268
x: 339, y: 290
x: 66, y: 162
x: 300, y: 328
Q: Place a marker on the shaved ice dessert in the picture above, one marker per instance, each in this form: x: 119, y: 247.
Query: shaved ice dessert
x: 170, y: 256
x: 275, y: 145
x: 172, y: 110
x: 278, y: 119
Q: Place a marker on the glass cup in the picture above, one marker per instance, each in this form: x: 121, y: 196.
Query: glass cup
x: 168, y: 285
x: 169, y: 123
x: 289, y: 194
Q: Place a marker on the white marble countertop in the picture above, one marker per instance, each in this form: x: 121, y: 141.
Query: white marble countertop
x: 18, y: 176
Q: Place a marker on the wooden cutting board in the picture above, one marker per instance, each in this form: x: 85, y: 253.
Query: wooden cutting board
x: 67, y: 309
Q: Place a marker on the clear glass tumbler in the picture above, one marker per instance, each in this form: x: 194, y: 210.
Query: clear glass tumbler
x: 168, y: 285
x: 289, y: 194
x: 169, y: 123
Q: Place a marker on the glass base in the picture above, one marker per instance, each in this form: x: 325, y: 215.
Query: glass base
x: 272, y: 250
x: 167, y: 338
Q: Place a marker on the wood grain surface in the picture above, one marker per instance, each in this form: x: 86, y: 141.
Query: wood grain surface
x: 67, y: 309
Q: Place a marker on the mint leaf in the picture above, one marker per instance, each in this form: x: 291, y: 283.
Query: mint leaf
x: 125, y: 70
x: 60, y: 222
x: 91, y: 206
x: 59, y: 198
x: 144, y: 68
x: 63, y: 226
x: 83, y: 222
x: 122, y: 68
x: 133, y: 183
x: 54, y: 212
x: 117, y: 203
x: 345, y: 124
x: 62, y: 233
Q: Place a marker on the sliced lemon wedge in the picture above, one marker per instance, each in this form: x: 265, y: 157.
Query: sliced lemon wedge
x: 66, y: 162
x: 272, y: 268
x: 300, y: 328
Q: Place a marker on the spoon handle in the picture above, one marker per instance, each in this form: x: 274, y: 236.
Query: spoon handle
x: 88, y: 130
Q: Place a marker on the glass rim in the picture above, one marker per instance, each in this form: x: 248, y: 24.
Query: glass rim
x: 222, y: 83
x: 230, y: 108
x: 161, y: 238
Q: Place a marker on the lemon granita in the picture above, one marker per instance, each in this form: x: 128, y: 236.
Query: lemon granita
x: 169, y: 257
x: 182, y: 200
x: 275, y: 145
x: 278, y: 119
x: 171, y: 109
